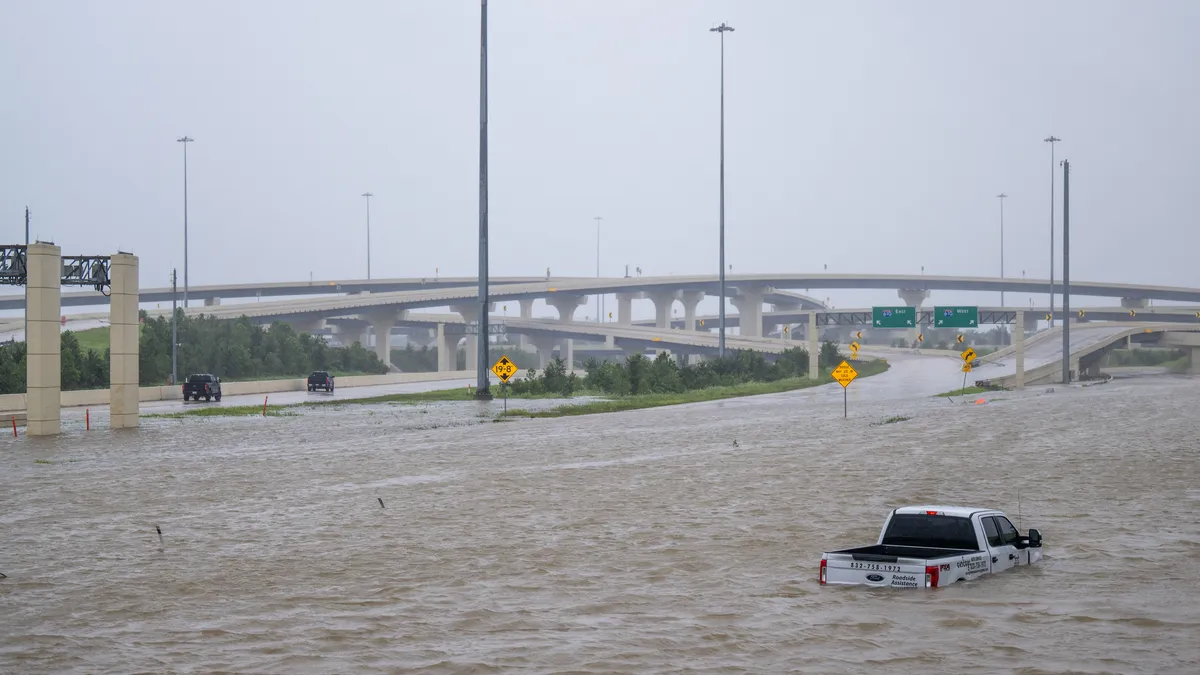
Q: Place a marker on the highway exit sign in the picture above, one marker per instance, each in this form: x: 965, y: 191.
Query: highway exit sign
x: 956, y: 317
x: 893, y: 317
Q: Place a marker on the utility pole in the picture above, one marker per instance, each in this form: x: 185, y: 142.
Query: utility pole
x: 174, y: 330
x: 185, y: 140
x: 26, y: 263
x: 1066, y: 363
x: 1001, y: 197
x: 482, y: 381
x: 722, y: 29
x: 599, y: 296
x: 368, y: 195
x: 1052, y: 140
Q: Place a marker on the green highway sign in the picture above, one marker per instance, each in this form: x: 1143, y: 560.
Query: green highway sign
x: 894, y: 317
x: 956, y: 317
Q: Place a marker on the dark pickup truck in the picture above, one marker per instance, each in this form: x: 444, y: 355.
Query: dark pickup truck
x: 202, y: 384
x: 320, y: 379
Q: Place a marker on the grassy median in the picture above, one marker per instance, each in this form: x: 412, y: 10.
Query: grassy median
x: 623, y: 403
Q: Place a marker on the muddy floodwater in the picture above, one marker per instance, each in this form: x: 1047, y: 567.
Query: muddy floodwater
x: 660, y: 541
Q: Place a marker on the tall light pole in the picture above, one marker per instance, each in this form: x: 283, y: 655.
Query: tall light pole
x: 1051, y: 139
x: 368, y: 195
x: 185, y: 140
x: 1066, y: 352
x: 174, y: 330
x: 722, y: 29
x: 599, y: 296
x: 1001, y: 197
x: 483, y: 389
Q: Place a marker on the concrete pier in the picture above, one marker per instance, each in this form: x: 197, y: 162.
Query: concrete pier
x: 125, y: 341
x: 43, y: 370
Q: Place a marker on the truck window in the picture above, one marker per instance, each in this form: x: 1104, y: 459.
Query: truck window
x: 1008, y: 533
x: 992, y: 531
x: 920, y: 529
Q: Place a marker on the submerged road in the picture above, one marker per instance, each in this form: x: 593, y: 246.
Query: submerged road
x: 680, y: 539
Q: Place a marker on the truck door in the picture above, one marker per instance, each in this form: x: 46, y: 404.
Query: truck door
x: 1002, y: 542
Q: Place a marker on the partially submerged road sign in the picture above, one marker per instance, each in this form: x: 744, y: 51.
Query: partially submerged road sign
x: 504, y: 369
x: 893, y: 317
x: 966, y: 368
x: 844, y: 374
x: 956, y: 317
x: 854, y: 347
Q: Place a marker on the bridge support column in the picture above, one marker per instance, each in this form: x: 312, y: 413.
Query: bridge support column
x: 690, y: 300
x: 526, y: 313
x: 124, y: 339
x: 359, y: 333
x: 447, y: 349
x: 566, y: 351
x: 212, y: 302
x: 814, y: 350
x: 545, y: 349
x: 913, y: 297
x: 749, y: 305
x: 43, y: 370
x: 470, y: 314
x: 625, y: 307
x: 1019, y: 338
x: 566, y: 305
x: 382, y: 324
x: 1133, y: 303
x: 663, y: 302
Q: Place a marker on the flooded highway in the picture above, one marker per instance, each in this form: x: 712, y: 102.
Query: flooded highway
x: 655, y: 541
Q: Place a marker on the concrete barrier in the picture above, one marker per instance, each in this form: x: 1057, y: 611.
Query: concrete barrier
x: 99, y: 397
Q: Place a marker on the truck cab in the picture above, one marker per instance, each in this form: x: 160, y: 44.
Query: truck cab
x: 934, y: 546
x: 320, y: 379
x: 202, y: 384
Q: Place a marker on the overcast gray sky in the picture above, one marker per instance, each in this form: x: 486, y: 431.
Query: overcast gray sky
x: 869, y: 136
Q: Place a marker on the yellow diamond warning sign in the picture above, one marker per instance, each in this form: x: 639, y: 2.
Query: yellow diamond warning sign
x: 504, y: 369
x: 844, y: 374
x: 968, y: 355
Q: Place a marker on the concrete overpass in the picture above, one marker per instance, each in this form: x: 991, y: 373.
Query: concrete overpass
x: 1088, y: 344
x: 913, y: 289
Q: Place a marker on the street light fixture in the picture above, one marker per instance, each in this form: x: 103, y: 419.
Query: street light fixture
x: 185, y: 140
x: 722, y: 29
x: 1051, y: 139
x: 1001, y: 197
x: 368, y: 195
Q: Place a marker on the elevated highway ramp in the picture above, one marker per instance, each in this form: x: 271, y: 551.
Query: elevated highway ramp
x: 1088, y: 343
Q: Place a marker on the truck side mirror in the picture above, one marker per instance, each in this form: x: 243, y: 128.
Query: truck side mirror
x: 1035, y: 538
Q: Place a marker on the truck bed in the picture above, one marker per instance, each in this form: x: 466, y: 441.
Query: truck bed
x: 889, y: 553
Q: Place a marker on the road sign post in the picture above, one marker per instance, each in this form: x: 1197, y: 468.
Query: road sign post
x: 967, y: 356
x: 956, y: 317
x: 504, y: 369
x: 844, y: 374
x: 893, y: 317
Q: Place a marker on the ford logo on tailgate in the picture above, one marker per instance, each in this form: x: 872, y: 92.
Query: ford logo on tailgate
x: 874, y: 577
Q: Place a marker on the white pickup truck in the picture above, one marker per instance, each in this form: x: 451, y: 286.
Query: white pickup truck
x: 934, y: 546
